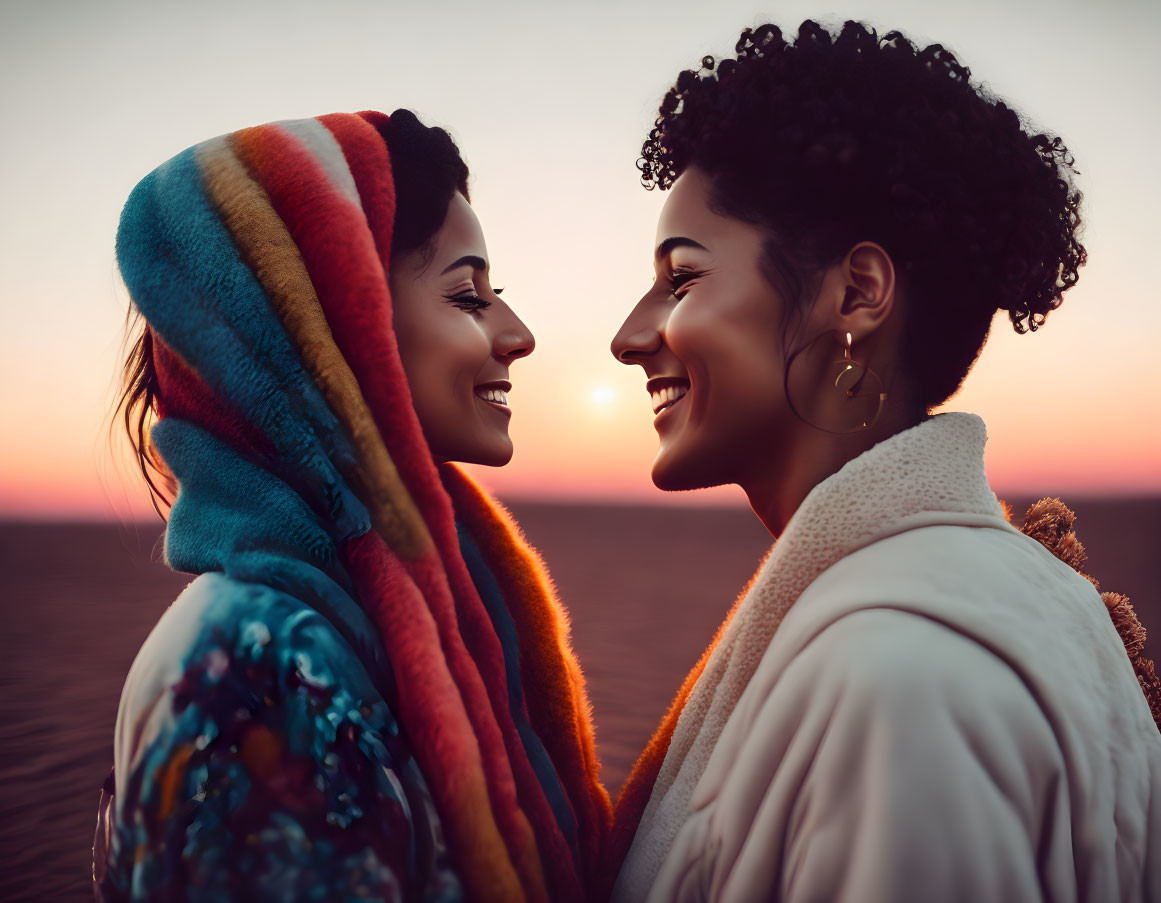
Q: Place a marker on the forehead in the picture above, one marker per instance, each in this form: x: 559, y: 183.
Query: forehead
x: 687, y: 211
x: 460, y: 233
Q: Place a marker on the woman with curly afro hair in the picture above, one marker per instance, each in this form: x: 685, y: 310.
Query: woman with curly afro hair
x: 912, y: 700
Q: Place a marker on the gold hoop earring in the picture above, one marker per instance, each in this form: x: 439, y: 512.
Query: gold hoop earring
x: 839, y: 396
x: 851, y: 381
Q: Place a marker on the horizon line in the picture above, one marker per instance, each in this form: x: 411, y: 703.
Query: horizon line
x: 678, y: 499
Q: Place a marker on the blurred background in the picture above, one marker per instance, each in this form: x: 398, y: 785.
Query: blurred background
x: 549, y: 104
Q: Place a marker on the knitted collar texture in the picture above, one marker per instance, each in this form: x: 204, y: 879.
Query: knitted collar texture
x: 930, y: 474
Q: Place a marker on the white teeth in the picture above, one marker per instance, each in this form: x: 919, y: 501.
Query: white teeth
x: 496, y: 396
x: 666, y: 396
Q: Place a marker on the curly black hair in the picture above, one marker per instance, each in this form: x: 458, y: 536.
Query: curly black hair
x: 828, y: 139
x: 428, y: 170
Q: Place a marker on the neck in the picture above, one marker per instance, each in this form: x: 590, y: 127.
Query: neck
x: 781, y: 482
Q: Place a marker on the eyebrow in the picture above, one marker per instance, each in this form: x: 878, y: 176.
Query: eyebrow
x: 476, y: 263
x: 677, y: 241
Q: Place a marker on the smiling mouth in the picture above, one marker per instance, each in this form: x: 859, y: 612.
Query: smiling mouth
x: 666, y: 391
x: 495, y: 393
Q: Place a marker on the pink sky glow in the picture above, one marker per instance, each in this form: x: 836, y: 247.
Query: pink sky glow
x: 549, y: 106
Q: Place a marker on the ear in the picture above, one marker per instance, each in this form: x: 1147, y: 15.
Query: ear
x: 867, y: 275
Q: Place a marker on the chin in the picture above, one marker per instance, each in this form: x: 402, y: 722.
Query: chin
x: 682, y: 472
x: 494, y: 453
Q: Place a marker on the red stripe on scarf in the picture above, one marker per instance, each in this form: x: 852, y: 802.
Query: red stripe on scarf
x: 368, y: 160
x: 352, y: 289
x: 554, y: 689
x: 430, y: 707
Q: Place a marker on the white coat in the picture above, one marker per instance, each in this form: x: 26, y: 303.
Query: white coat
x: 913, y: 702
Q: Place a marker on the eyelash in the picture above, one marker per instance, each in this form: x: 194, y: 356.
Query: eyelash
x: 677, y: 280
x: 470, y: 303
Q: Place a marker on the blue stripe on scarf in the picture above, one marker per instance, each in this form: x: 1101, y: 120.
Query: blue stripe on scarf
x: 270, y: 537
x: 185, y: 275
x: 505, y: 629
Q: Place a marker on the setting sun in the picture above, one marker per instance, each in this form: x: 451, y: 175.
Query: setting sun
x: 603, y: 396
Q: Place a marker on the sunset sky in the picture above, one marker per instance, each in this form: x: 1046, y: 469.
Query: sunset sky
x: 549, y: 104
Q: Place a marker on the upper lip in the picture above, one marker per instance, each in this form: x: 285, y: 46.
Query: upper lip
x: 502, y: 384
x: 661, y: 382
x: 657, y: 391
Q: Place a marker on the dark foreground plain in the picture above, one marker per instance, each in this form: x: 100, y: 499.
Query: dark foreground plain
x: 646, y: 587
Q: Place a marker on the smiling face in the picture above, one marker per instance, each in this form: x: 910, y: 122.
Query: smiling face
x: 457, y: 340
x: 709, y: 335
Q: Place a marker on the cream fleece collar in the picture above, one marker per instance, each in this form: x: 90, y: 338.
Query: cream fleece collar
x: 930, y: 474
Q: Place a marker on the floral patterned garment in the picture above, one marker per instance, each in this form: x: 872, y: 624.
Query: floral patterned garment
x: 268, y: 767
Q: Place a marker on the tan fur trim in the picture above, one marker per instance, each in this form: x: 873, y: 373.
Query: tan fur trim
x: 1050, y: 523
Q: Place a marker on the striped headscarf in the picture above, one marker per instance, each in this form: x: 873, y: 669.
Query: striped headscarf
x: 259, y: 261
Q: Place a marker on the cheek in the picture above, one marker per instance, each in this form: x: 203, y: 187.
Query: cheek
x: 733, y: 348
x: 442, y: 355
x: 462, y: 349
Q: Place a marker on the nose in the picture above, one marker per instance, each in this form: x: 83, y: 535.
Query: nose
x: 512, y: 339
x: 639, y: 336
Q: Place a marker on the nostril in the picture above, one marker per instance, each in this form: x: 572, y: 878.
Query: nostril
x: 514, y: 346
x: 632, y: 349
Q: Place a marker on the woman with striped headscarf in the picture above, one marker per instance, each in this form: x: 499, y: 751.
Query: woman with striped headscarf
x: 367, y: 691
